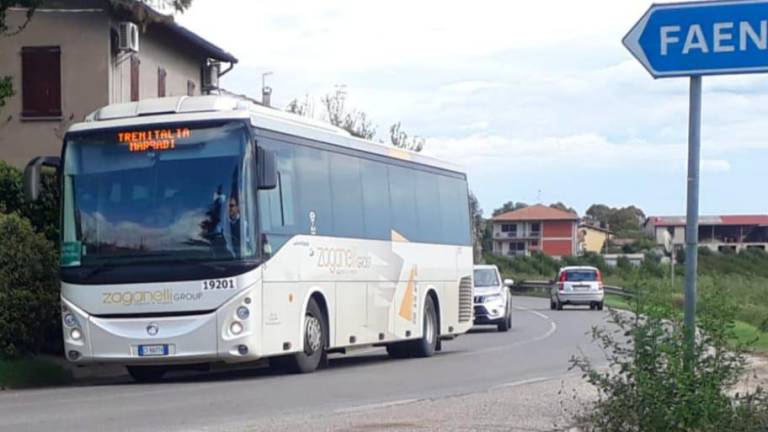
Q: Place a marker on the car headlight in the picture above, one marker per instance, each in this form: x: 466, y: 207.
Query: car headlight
x: 492, y: 298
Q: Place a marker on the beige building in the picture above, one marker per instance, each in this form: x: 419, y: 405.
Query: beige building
x: 592, y: 238
x: 75, y: 56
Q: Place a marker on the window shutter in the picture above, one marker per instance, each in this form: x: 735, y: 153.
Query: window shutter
x: 41, y: 81
x: 161, y: 73
x: 135, y: 62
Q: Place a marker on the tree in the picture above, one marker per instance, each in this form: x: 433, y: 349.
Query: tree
x: 509, y: 206
x: 6, y: 89
x: 620, y: 220
x: 478, y: 226
x: 400, y: 139
x: 30, y: 5
x: 177, y: 6
x: 599, y: 213
x: 560, y: 206
x: 334, y: 105
x: 304, y: 108
x: 356, y: 122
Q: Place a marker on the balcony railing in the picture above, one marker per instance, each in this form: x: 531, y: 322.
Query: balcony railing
x: 517, y: 235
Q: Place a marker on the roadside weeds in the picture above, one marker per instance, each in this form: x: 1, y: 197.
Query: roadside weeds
x: 32, y: 372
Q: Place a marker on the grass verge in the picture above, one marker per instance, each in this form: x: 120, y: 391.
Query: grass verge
x: 751, y: 336
x: 745, y: 334
x: 31, y: 372
x: 615, y: 301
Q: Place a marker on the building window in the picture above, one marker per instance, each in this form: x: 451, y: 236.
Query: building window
x: 534, y: 243
x: 510, y: 229
x: 535, y: 229
x: 516, y: 249
x: 161, y: 74
x: 190, y: 88
x: 41, y: 81
x: 135, y: 63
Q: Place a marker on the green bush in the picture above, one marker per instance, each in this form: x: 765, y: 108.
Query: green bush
x: 11, y: 194
x: 649, y: 385
x: 29, y: 292
x: 43, y: 213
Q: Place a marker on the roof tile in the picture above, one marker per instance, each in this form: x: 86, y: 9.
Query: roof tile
x: 534, y: 213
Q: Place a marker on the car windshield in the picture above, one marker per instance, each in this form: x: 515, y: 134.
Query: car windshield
x: 486, y: 278
x: 581, y: 275
x: 157, y: 194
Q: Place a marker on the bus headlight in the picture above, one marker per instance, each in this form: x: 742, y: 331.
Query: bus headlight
x: 76, y: 334
x: 236, y: 328
x: 243, y: 313
x: 70, y: 320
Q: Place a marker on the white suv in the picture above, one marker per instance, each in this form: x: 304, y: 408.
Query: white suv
x: 577, y: 286
x: 493, y: 302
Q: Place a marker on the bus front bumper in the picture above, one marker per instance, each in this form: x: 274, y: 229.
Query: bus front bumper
x: 186, y: 339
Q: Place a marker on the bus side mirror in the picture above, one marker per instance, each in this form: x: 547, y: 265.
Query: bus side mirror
x: 32, y: 175
x: 267, y: 169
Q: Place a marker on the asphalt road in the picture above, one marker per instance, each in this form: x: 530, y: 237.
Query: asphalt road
x: 538, y: 347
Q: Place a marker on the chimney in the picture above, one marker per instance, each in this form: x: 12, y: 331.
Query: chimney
x: 266, y: 96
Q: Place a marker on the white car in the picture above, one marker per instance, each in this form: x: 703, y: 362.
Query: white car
x: 493, y: 302
x: 577, y: 286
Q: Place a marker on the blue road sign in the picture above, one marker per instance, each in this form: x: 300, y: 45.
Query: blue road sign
x: 702, y: 38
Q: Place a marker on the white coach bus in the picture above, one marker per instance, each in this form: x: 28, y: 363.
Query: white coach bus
x: 200, y: 230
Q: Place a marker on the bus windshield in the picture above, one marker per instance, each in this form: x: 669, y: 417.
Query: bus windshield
x: 155, y: 194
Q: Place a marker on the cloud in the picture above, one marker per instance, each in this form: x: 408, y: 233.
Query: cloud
x: 715, y: 165
x: 581, y: 152
x: 544, y: 91
x: 470, y: 86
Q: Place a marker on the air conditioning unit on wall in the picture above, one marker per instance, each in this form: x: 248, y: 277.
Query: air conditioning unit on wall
x: 128, y: 37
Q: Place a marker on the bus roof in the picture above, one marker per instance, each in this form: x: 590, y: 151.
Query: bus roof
x: 213, y: 107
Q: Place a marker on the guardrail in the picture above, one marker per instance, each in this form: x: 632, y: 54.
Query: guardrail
x: 543, y: 286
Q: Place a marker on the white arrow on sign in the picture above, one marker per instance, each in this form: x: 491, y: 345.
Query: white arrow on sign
x: 632, y: 42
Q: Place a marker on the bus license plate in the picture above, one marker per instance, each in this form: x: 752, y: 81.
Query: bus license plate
x: 153, y: 350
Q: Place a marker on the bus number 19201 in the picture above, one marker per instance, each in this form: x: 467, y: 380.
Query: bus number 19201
x: 219, y: 284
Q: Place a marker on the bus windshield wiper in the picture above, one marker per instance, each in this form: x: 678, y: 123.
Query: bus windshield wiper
x: 99, y: 268
x: 105, y: 266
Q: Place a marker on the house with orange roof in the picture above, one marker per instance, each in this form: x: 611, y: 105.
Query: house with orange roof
x: 536, y: 228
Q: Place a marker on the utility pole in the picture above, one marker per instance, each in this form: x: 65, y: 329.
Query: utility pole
x: 692, y: 218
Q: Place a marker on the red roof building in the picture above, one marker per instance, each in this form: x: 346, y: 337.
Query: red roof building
x: 536, y: 228
x: 719, y: 233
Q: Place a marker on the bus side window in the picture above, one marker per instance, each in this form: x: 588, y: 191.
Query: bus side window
x: 277, y: 206
x: 314, y: 191
x: 375, y: 181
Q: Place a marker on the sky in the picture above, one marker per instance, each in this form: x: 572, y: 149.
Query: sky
x: 538, y: 100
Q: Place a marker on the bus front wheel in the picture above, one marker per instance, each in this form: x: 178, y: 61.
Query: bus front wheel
x: 315, y: 341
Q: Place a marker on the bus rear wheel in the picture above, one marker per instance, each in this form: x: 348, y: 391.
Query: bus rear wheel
x: 427, y: 345
x: 315, y: 341
x: 145, y: 374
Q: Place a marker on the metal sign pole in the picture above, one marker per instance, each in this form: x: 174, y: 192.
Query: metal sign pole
x: 692, y: 221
